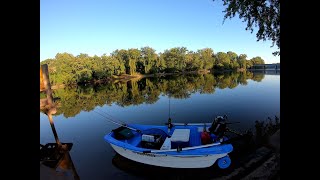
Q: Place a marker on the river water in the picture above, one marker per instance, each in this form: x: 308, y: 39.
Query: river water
x: 243, y: 97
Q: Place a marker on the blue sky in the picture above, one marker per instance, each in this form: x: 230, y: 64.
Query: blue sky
x: 96, y: 27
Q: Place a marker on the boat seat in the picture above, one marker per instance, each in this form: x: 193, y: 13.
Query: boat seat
x: 180, y: 135
x: 180, y: 138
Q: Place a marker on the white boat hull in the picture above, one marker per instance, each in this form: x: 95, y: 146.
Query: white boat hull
x: 172, y: 161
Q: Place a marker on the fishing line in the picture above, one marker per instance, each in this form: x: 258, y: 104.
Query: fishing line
x: 112, y: 116
x: 111, y: 120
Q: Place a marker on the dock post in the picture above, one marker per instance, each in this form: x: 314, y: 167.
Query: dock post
x: 50, y: 108
x: 46, y: 83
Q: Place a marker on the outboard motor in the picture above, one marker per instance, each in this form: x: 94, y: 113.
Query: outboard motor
x: 219, y: 126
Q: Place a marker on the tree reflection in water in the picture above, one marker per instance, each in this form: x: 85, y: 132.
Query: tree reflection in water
x: 73, y: 100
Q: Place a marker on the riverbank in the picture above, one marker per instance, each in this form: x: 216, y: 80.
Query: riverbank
x: 140, y: 76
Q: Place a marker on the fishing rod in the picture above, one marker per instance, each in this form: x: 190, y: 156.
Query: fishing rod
x: 169, y: 123
x: 233, y: 131
x: 122, y: 125
x: 111, y: 116
x: 169, y: 107
x: 232, y: 122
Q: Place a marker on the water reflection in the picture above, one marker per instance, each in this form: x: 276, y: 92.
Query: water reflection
x: 147, y: 90
x: 244, y: 97
x: 55, y: 159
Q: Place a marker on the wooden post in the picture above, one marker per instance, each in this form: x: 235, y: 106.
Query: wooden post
x: 46, y: 83
x: 41, y: 80
x: 50, y: 109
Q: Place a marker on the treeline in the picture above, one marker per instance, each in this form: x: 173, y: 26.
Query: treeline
x: 68, y: 69
x: 73, y: 100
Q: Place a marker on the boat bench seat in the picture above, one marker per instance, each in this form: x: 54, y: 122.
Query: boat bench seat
x: 180, y: 137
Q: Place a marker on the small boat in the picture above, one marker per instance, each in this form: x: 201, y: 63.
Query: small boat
x: 175, y: 145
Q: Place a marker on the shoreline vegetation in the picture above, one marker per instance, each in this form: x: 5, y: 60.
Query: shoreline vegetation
x: 127, y: 64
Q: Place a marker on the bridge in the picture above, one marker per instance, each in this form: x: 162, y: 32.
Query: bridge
x: 275, y: 66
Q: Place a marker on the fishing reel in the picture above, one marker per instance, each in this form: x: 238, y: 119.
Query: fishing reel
x: 169, y: 123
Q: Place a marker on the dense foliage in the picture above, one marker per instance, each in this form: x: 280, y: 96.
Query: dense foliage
x: 68, y: 69
x: 262, y: 13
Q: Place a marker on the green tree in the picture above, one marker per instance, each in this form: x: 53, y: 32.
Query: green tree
x: 222, y: 60
x: 249, y: 64
x: 148, y: 59
x: 262, y: 13
x: 175, y: 59
x: 242, y: 60
x: 206, y: 56
x: 193, y: 61
x: 66, y: 69
x: 233, y: 60
x: 232, y: 55
x: 111, y: 66
x: 257, y: 60
x: 235, y: 65
x: 160, y: 64
x: 122, y: 56
x: 133, y: 57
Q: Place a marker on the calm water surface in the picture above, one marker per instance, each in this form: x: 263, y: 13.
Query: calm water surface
x: 244, y: 97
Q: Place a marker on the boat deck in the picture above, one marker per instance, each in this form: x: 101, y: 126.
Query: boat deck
x: 194, y: 140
